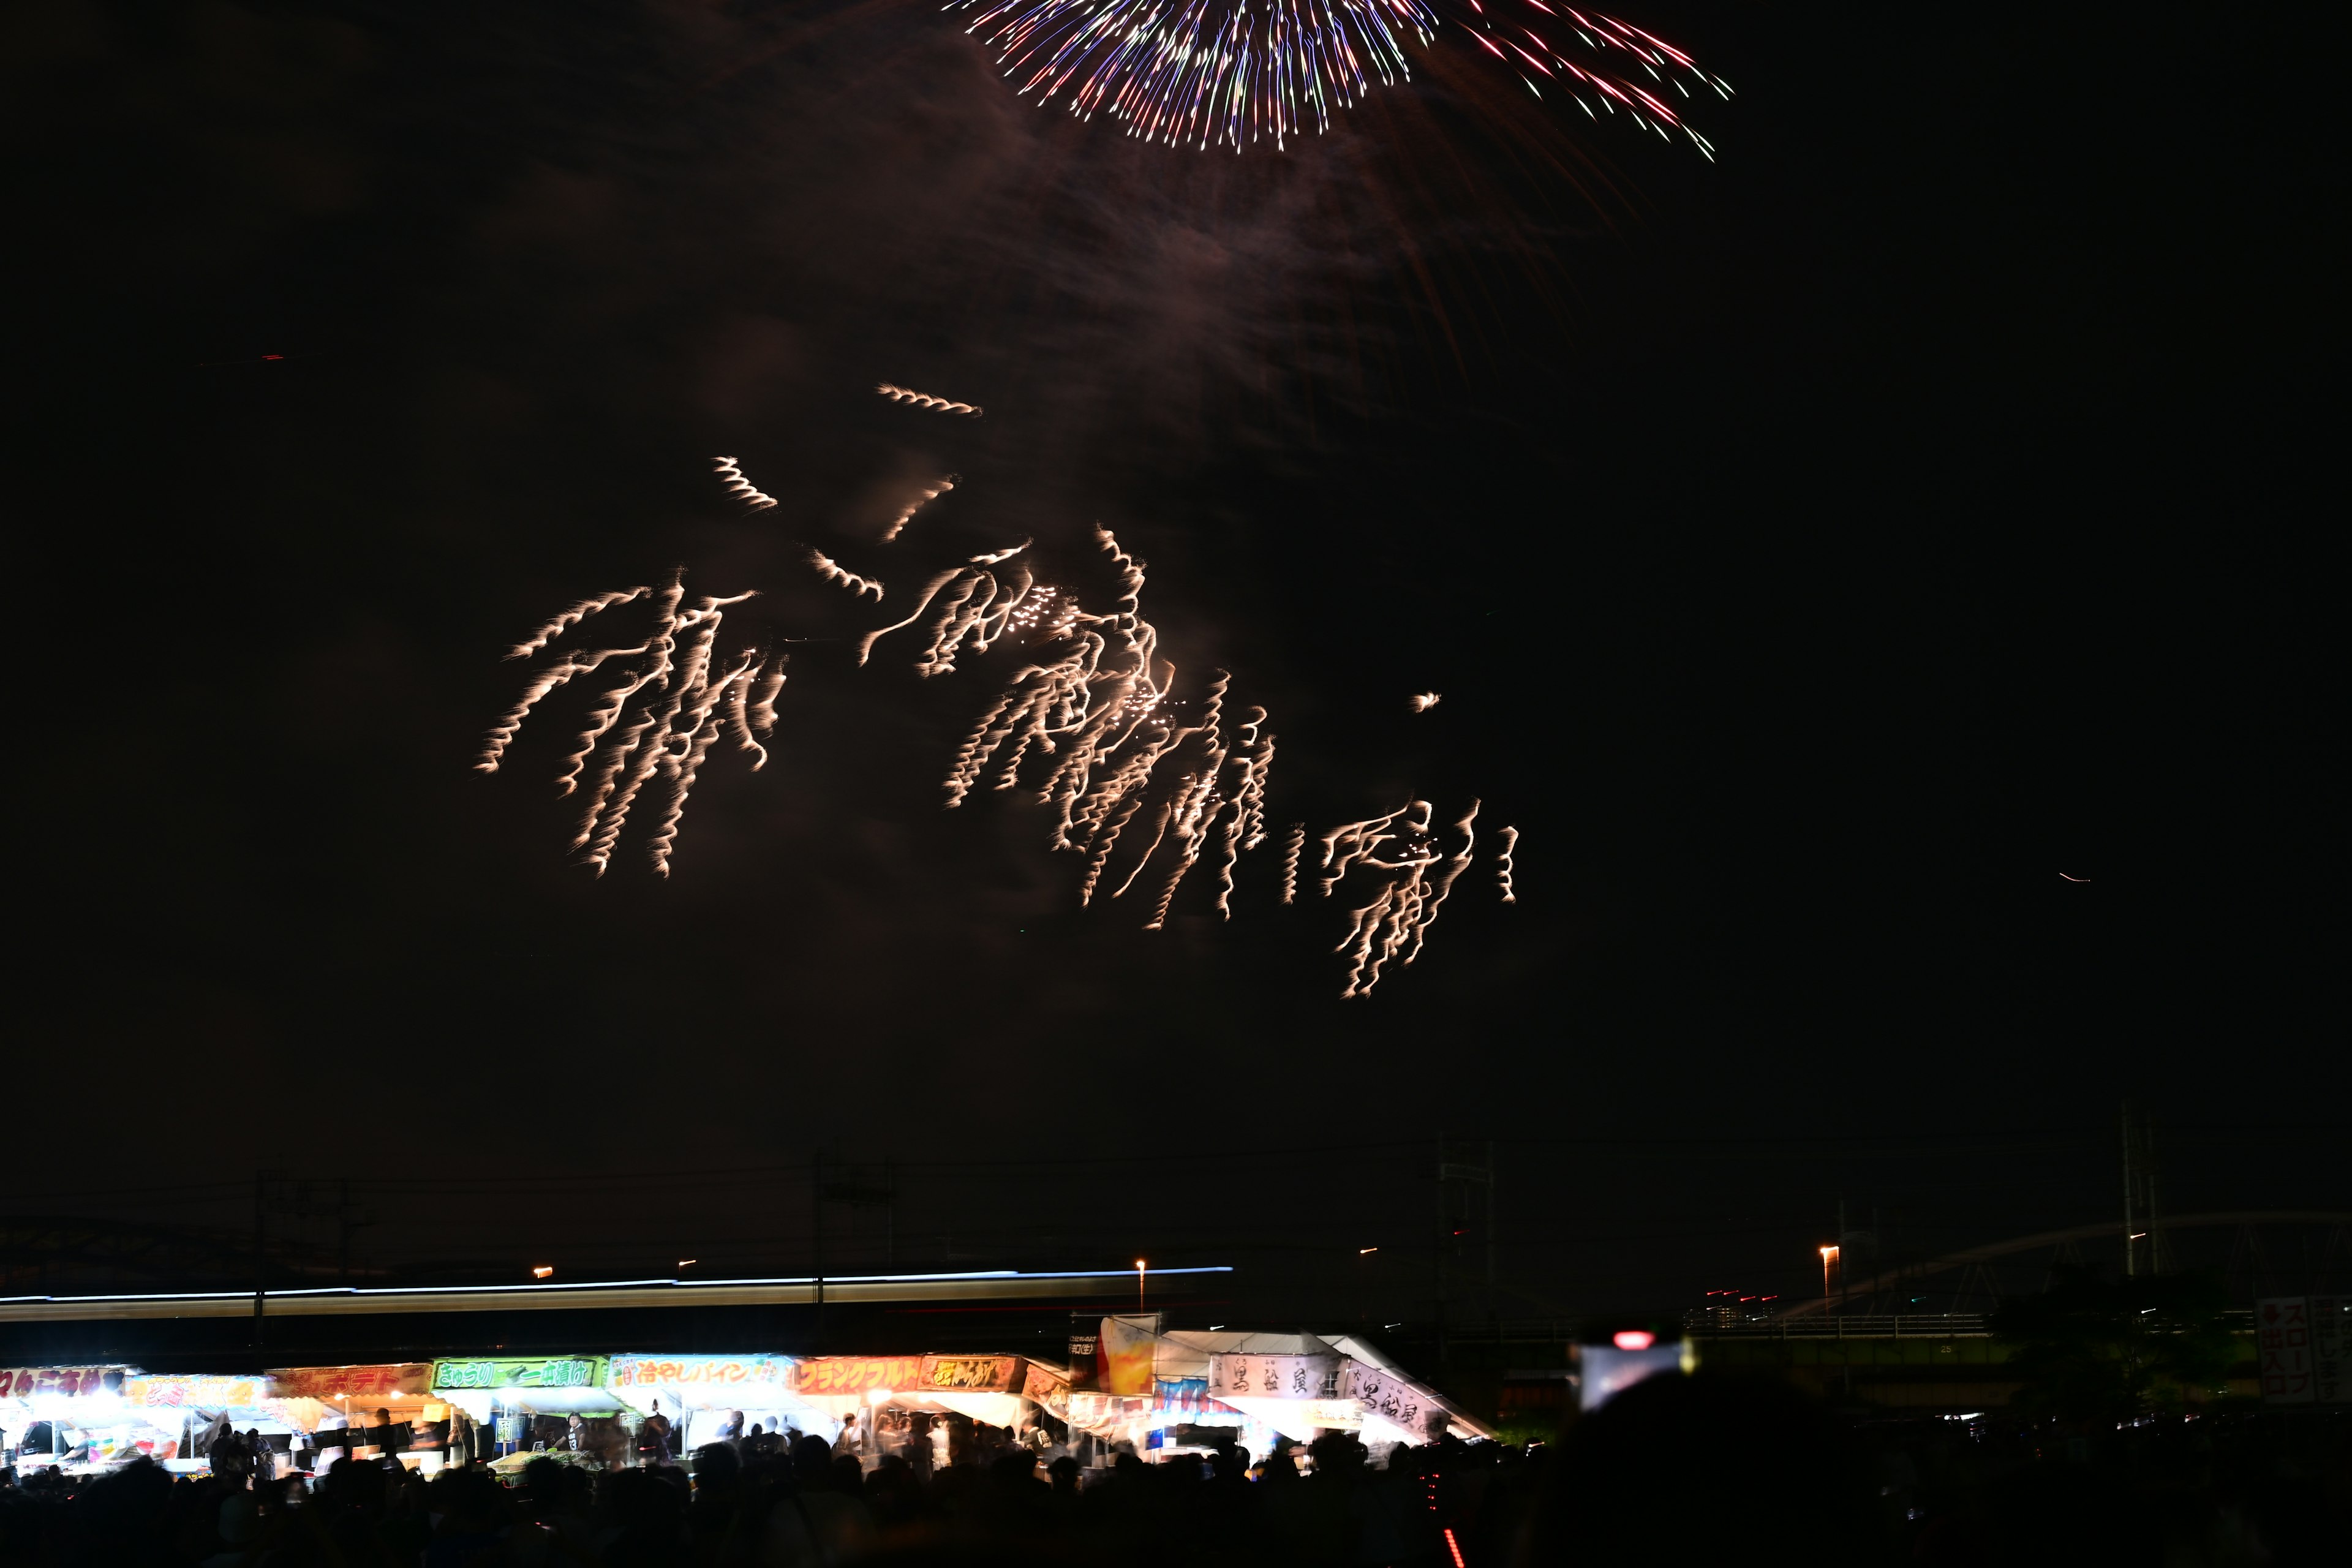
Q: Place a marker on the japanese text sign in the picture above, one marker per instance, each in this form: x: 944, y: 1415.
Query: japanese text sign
x: 856, y: 1374
x: 22, y: 1381
x: 664, y: 1371
x: 2283, y: 1349
x: 972, y: 1374
x: 1274, y: 1376
x: 520, y: 1372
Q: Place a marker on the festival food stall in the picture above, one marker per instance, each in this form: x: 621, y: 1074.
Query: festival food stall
x: 77, y: 1418
x: 339, y: 1410
x: 1183, y: 1390
x: 897, y: 1404
x: 700, y: 1394
x: 522, y: 1405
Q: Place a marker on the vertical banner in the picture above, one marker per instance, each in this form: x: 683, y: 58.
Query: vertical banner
x: 1125, y: 1354
x: 2282, y: 1346
x: 1085, y: 1337
x: 2331, y: 1326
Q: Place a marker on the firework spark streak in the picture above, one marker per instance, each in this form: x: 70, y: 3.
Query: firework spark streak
x: 1087, y: 720
x: 573, y: 617
x: 741, y: 487
x: 833, y: 571
x: 1094, y: 697
x: 673, y: 701
x: 1422, y: 701
x: 1416, y: 877
x: 920, y: 502
x: 925, y: 400
x: 1220, y: 72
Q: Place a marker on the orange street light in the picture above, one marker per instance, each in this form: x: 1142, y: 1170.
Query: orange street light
x: 1829, y: 1256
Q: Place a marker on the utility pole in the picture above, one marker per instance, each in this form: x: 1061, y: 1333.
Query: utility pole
x: 816, y: 1229
x: 260, y: 1254
x: 1467, y: 1177
x: 2143, y: 1214
x: 1491, y: 1226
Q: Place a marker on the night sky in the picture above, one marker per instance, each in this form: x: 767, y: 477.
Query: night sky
x: 1818, y: 552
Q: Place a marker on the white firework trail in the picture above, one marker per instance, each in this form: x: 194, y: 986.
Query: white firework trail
x: 925, y: 400
x: 1006, y: 555
x: 1503, y: 865
x: 1422, y: 701
x: 833, y: 571
x: 675, y: 700
x: 1417, y: 878
x: 919, y: 503
x: 1093, y: 697
x: 1290, y: 851
x: 573, y: 617
x: 740, y: 488
x: 751, y: 708
x: 974, y: 607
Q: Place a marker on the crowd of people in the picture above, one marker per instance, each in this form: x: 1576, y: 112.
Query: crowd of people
x: 1678, y: 1470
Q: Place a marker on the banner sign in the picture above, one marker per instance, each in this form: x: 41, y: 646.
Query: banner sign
x: 1128, y: 1347
x: 1274, y: 1376
x: 1084, y: 1332
x: 2301, y: 1343
x: 856, y: 1374
x: 333, y: 1383
x: 1042, y: 1387
x: 773, y: 1372
x: 1393, y: 1398
x: 22, y: 1381
x: 196, y: 1392
x: 520, y: 1371
x: 2331, y: 1340
x: 972, y: 1374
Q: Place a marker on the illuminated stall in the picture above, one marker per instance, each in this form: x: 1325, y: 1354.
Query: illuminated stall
x: 1185, y: 1391
x: 367, y: 1412
x: 700, y: 1394
x: 522, y: 1404
x: 897, y: 1404
x: 79, y: 1419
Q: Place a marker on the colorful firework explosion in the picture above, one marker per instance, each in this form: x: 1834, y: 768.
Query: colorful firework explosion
x: 1217, y: 72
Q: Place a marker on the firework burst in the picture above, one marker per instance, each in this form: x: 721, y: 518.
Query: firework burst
x: 1089, y: 721
x: 1204, y: 73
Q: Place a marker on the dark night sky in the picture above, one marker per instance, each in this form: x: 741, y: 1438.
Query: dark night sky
x: 1818, y: 552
